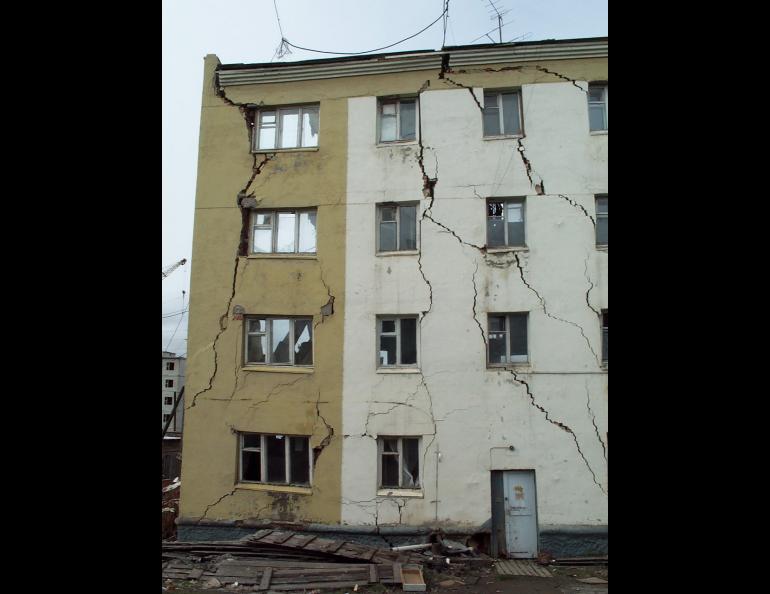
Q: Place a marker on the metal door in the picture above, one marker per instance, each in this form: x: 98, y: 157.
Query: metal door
x: 520, y: 513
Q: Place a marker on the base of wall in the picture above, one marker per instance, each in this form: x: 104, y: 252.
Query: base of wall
x: 557, y: 541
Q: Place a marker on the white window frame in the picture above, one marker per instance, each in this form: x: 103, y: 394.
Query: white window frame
x: 268, y: 333
x: 397, y: 334
x: 397, y: 100
x: 499, y: 94
x: 507, y: 332
x: 262, y: 449
x: 605, y: 103
x: 169, y: 383
x: 273, y: 226
x: 604, y: 215
x: 519, y: 200
x: 605, y: 336
x: 378, y: 220
x: 169, y: 366
x: 278, y: 127
x: 380, y: 453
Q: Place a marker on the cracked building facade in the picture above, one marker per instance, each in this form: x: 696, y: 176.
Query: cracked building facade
x: 398, y: 315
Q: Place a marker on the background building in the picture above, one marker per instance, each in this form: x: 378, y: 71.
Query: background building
x: 399, y: 296
x: 173, y: 370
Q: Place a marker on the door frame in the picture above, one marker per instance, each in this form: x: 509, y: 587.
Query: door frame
x: 498, y: 540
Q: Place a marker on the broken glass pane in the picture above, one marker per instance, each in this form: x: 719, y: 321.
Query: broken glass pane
x: 497, y: 347
x: 251, y: 440
x: 303, y: 343
x: 310, y: 126
x: 263, y: 239
x: 518, y: 337
x: 280, y: 342
x: 511, y: 123
x: 387, y: 237
x: 256, y: 348
x: 250, y: 466
x: 307, y: 232
x: 299, y: 460
x: 389, y: 471
x: 285, y: 239
x: 387, y: 350
x: 408, y: 230
x: 263, y: 218
x: 407, y: 109
x: 289, y: 127
x: 408, y: 341
x: 276, y: 459
x: 410, y: 475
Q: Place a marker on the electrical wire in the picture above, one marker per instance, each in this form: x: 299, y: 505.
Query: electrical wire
x: 286, y: 42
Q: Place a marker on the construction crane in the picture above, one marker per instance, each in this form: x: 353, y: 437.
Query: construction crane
x: 173, y: 267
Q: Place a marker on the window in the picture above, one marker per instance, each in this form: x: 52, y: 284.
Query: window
x: 601, y: 220
x: 396, y: 227
x: 597, y: 107
x: 502, y: 113
x: 166, y: 418
x: 398, y: 119
x: 276, y: 459
x: 397, y: 341
x: 283, y: 232
x: 170, y: 366
x: 399, y: 462
x: 287, y: 127
x: 605, y: 327
x: 507, y: 338
x: 169, y: 382
x: 168, y: 400
x: 279, y: 341
x: 505, y: 222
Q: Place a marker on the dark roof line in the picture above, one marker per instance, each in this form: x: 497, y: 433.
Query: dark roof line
x: 447, y: 48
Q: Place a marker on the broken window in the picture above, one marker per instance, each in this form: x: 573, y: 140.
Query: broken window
x: 507, y: 338
x: 397, y: 341
x: 279, y: 341
x: 167, y: 400
x: 398, y: 119
x: 276, y: 459
x: 399, y: 462
x: 597, y: 108
x: 287, y: 127
x: 283, y: 231
x: 601, y: 220
x: 605, y: 327
x: 502, y: 113
x: 397, y: 227
x: 169, y: 383
x: 169, y: 366
x: 505, y: 222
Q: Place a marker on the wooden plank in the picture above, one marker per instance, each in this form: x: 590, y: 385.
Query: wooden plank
x: 397, y: 573
x: 260, y: 534
x: 373, y: 578
x: 306, y: 586
x: 196, y: 574
x: 288, y: 564
x: 266, y: 576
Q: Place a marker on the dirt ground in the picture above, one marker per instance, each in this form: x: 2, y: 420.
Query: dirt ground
x: 565, y: 581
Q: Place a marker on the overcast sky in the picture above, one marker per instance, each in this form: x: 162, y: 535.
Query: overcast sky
x: 247, y: 31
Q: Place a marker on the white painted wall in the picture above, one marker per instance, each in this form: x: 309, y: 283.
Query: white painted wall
x: 467, y: 414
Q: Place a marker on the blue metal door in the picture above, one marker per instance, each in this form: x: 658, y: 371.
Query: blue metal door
x: 520, y: 514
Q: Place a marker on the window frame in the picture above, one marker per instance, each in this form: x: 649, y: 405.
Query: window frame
x: 380, y: 453
x: 604, y: 86
x: 169, y: 366
x: 397, y: 100
x: 169, y: 383
x: 262, y: 449
x: 165, y: 398
x: 501, y: 117
x: 268, y: 336
x: 378, y: 221
x: 253, y: 226
x: 255, y: 148
x: 604, y: 215
x: 507, y: 332
x: 397, y: 334
x: 605, y: 337
x: 517, y: 199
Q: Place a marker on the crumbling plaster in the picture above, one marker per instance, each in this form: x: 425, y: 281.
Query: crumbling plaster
x: 467, y: 414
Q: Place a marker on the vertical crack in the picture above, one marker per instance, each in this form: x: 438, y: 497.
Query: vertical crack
x: 329, y: 432
x: 590, y: 288
x: 475, y: 316
x: 593, y: 421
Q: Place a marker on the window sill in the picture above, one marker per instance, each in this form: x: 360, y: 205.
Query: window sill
x: 504, y: 137
x: 520, y: 367
x: 508, y: 248
x: 400, y: 493
x: 601, y: 248
x: 276, y: 488
x: 278, y: 369
x: 399, y: 253
x: 398, y: 370
x: 302, y: 149
x: 278, y: 256
x: 599, y: 132
x: 396, y: 143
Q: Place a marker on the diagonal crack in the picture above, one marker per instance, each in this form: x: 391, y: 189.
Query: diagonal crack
x: 329, y: 432
x: 541, y: 69
x: 578, y: 206
x: 475, y: 315
x: 593, y: 421
x: 208, y: 507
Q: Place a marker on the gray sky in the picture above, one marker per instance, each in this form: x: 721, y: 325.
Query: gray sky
x: 247, y: 31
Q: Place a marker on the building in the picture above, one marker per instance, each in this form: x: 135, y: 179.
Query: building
x: 173, y: 370
x: 399, y: 299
